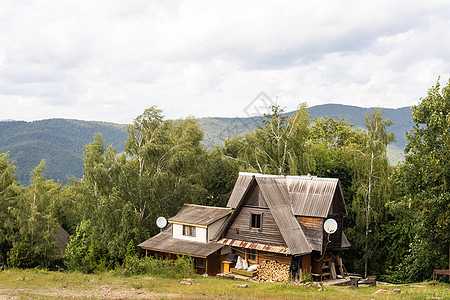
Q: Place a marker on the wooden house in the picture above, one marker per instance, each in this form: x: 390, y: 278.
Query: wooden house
x: 190, y: 232
x: 281, y: 218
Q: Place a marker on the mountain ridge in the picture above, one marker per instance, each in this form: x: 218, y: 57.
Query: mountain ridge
x: 61, y: 141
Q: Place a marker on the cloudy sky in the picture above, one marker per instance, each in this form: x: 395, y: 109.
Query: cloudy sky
x: 109, y: 60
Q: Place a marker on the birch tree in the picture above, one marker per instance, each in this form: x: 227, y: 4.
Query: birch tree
x: 372, y: 173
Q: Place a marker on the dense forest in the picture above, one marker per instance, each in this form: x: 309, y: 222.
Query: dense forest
x: 60, y: 141
x: 398, y: 221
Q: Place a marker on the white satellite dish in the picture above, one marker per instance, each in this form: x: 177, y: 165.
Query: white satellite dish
x: 330, y: 226
x: 161, y: 222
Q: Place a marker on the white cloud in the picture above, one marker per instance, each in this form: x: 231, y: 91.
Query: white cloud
x: 109, y: 60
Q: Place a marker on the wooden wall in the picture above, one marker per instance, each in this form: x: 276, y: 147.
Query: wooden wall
x: 280, y: 258
x: 241, y: 229
x: 313, y: 228
x: 306, y: 264
x: 214, y: 262
x: 337, y: 213
x: 256, y: 198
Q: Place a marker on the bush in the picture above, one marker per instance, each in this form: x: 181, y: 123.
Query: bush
x: 182, y: 267
x: 21, y: 256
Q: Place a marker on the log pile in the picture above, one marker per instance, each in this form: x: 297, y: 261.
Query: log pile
x: 270, y: 270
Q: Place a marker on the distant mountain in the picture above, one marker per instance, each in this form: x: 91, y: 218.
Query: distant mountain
x: 60, y: 141
x: 217, y: 130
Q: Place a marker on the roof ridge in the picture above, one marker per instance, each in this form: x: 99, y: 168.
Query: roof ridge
x: 306, y: 177
x: 206, y: 206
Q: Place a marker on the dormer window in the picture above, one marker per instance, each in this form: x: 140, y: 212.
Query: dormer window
x: 256, y: 221
x: 189, y: 230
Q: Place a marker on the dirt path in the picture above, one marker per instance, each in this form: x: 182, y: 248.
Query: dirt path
x: 102, y: 292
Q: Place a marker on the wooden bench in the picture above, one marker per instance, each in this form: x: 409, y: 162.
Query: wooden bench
x: 441, y: 272
x: 243, y: 273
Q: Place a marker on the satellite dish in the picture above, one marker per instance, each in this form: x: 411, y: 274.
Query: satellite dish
x: 330, y: 226
x: 161, y: 222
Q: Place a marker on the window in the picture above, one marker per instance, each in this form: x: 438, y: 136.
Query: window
x: 199, y: 262
x: 252, y: 254
x: 256, y: 221
x: 189, y: 230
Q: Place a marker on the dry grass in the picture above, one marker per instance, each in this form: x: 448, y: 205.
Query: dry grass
x: 39, y: 284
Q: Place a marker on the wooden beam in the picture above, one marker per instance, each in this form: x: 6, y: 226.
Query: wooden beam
x: 189, y: 224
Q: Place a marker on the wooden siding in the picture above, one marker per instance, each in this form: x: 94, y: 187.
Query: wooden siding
x: 269, y: 233
x: 335, y: 238
x: 336, y: 212
x: 215, y: 264
x: 336, y: 207
x: 256, y: 199
x: 280, y: 258
x: 316, y: 263
x: 313, y: 228
x: 306, y: 264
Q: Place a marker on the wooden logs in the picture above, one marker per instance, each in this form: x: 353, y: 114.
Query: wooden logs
x: 270, y: 270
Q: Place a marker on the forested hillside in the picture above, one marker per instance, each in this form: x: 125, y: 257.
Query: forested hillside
x: 60, y: 141
x: 217, y: 130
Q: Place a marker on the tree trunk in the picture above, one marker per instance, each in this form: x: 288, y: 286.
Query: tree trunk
x: 369, y: 192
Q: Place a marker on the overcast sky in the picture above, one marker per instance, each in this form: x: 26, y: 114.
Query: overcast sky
x: 109, y: 60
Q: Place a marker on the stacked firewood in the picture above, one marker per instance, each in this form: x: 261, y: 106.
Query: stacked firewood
x: 270, y: 270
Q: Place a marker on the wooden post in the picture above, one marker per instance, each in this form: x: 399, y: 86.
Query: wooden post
x: 333, y: 270
x: 206, y: 265
x: 354, y: 282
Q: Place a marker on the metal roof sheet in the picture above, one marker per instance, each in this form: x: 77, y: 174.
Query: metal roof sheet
x: 311, y: 197
x: 240, y: 187
x: 344, y: 242
x: 256, y: 246
x: 200, y: 215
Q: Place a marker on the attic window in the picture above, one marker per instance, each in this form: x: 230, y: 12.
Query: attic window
x: 256, y: 221
x: 189, y: 230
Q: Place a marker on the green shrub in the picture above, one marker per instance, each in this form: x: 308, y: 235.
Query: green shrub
x: 21, y: 256
x: 182, y: 267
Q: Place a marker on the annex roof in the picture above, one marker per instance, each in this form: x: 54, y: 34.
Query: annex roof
x: 166, y: 243
x: 199, y: 215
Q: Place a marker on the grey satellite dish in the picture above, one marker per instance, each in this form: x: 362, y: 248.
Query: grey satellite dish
x: 330, y: 226
x: 161, y: 222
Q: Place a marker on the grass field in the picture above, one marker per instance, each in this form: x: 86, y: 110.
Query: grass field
x: 39, y: 284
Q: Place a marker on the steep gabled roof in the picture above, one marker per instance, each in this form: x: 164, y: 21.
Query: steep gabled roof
x: 199, y: 215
